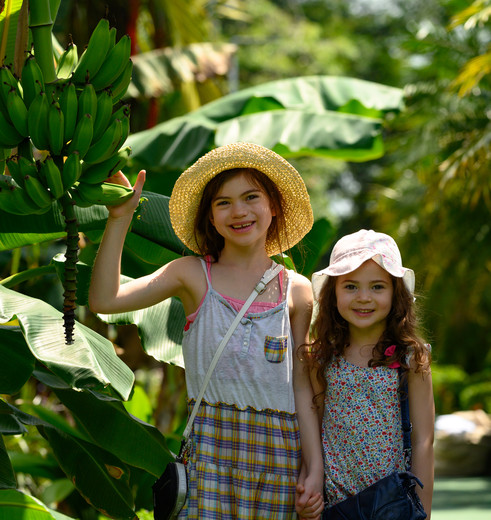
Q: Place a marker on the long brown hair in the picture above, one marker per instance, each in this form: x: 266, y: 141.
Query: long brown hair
x: 209, y: 241
x: 331, y: 332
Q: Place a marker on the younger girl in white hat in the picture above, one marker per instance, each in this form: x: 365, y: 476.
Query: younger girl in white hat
x: 236, y: 207
x: 364, y: 330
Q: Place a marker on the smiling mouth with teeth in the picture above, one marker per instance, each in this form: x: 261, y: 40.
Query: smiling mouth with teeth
x: 241, y: 226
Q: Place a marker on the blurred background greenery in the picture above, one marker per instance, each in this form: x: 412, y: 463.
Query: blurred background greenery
x: 430, y: 190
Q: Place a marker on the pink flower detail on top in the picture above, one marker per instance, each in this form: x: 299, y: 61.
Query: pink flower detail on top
x: 389, y: 351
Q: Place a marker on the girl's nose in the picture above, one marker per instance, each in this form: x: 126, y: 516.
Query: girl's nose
x: 364, y: 295
x: 239, y: 209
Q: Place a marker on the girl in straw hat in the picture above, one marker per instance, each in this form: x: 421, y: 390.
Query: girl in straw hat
x: 365, y: 330
x: 236, y: 207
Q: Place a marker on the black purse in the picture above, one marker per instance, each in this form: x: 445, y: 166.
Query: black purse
x: 171, y: 489
x: 391, y: 498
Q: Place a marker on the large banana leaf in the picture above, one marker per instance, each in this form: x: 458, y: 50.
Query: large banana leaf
x: 322, y: 101
x: 90, y: 362
x: 142, y: 445
x: 98, y: 463
x: 15, y: 505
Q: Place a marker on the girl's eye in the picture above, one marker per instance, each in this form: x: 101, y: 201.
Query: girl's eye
x: 350, y: 286
x: 252, y: 196
x: 221, y: 203
x: 378, y: 287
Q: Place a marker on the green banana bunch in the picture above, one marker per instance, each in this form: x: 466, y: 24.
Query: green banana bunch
x: 32, y: 80
x: 56, y: 128
x: 72, y: 170
x: 37, y: 121
x: 106, y: 194
x: 94, y: 55
x: 82, y: 136
x: 99, y: 172
x: 50, y: 172
x: 15, y: 200
x: 67, y: 62
x: 114, y: 64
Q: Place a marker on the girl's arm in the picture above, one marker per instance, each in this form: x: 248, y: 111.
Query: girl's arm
x: 312, y: 472
x: 107, y: 296
x: 422, y: 414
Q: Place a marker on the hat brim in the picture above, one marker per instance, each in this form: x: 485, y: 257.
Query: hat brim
x: 346, y: 266
x: 189, y: 188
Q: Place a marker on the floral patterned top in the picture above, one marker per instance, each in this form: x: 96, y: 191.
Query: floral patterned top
x: 361, y: 428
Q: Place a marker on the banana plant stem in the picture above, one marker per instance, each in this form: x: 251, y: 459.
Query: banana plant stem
x: 71, y: 257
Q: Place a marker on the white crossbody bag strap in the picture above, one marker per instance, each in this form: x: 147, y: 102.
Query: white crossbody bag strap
x: 260, y: 287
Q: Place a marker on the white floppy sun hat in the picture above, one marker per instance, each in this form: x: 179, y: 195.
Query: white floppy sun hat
x: 353, y: 250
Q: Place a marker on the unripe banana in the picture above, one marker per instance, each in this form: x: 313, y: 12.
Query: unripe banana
x: 78, y: 199
x: 9, y: 137
x: 120, y: 85
x: 7, y: 82
x: 15, y: 200
x: 14, y: 170
x: 32, y: 80
x: 114, y: 64
x: 50, y: 171
x: 72, y: 170
x: 107, y: 194
x: 69, y: 106
x: 87, y: 102
x: 17, y: 112
x: 107, y: 145
x: 97, y: 173
x: 67, y: 62
x: 56, y: 128
x: 95, y: 53
x: 24, y: 149
x: 27, y: 167
x: 37, y: 192
x: 104, y: 111
x: 37, y: 121
x: 82, y: 136
x: 125, y: 130
x: 112, y: 38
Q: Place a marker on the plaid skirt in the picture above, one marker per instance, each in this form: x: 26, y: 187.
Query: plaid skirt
x: 243, y: 464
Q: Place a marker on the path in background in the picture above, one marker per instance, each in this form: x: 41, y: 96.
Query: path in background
x: 462, y: 498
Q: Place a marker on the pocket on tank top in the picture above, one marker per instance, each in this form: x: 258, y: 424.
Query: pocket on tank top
x: 275, y: 348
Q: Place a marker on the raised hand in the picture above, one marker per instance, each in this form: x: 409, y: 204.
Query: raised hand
x: 128, y: 207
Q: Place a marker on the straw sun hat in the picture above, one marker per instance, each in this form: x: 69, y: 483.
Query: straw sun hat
x: 189, y: 187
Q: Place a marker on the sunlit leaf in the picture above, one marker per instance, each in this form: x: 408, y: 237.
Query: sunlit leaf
x: 89, y: 362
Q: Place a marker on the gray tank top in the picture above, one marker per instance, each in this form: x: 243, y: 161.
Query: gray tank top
x: 255, y: 369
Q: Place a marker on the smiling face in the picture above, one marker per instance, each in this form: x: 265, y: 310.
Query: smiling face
x: 241, y: 212
x: 364, y: 298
